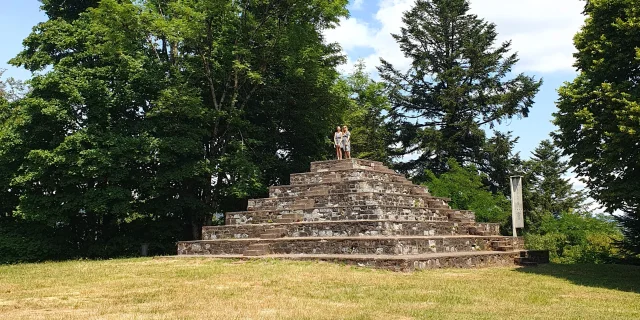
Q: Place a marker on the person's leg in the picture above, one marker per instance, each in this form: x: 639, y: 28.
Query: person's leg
x: 338, y: 152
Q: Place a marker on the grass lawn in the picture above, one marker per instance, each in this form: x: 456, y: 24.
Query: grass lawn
x: 223, y: 289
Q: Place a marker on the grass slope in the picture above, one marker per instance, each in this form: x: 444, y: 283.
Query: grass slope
x: 214, y: 289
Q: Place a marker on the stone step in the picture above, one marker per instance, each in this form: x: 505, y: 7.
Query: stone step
x: 346, y: 199
x: 480, y: 231
x: 525, y: 262
x: 343, y: 213
x: 463, y: 216
x: 537, y: 256
x: 320, y: 166
x: 353, y: 186
x: 437, y: 203
x: 478, y: 259
x: 346, y: 175
x: 269, y: 236
x: 256, y: 249
x: 265, y: 233
x: 349, y: 229
x: 344, y: 245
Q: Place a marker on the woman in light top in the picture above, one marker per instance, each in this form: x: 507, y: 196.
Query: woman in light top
x: 337, y: 141
x: 346, y: 142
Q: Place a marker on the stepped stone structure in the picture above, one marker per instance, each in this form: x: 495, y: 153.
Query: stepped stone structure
x: 359, y: 212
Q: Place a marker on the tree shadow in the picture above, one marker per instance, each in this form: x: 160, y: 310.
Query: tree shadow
x: 608, y: 276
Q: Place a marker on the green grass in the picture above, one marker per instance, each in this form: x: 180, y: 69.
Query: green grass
x: 215, y: 289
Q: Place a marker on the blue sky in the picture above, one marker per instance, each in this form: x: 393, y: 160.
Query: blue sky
x: 542, y: 37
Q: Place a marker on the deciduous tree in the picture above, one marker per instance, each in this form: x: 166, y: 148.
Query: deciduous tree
x: 598, y: 111
x: 367, y: 116
x: 163, y: 108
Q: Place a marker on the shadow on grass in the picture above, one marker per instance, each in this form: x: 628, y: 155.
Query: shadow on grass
x: 609, y: 276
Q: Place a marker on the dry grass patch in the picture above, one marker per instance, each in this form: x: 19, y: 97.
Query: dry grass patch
x: 267, y: 289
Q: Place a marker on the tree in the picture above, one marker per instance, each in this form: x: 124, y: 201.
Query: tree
x: 67, y: 9
x: 598, y: 111
x: 576, y: 238
x: 367, y: 115
x: 466, y: 189
x: 165, y: 109
x: 549, y: 193
x: 457, y: 83
x: 11, y: 89
x: 500, y: 162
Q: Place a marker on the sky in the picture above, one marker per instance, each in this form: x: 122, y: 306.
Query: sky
x: 541, y: 32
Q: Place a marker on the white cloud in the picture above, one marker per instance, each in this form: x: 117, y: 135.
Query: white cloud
x: 352, y: 33
x: 541, y: 31
x: 357, y: 4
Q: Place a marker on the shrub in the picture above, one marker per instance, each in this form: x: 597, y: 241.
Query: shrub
x: 576, y: 238
x: 466, y: 189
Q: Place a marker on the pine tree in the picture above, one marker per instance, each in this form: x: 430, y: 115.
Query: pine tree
x: 548, y: 191
x: 457, y: 83
x: 500, y: 162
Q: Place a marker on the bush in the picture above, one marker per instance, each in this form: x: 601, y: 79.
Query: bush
x: 577, y: 238
x: 465, y: 188
x: 26, y: 241
x: 32, y: 241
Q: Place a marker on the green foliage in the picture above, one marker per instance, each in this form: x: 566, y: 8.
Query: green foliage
x: 32, y: 241
x: 66, y: 9
x: 576, y: 238
x: 29, y: 241
x: 457, y: 83
x: 598, y: 111
x: 548, y: 192
x: 163, y: 110
x: 367, y: 115
x: 500, y: 163
x: 466, y: 189
x: 11, y: 89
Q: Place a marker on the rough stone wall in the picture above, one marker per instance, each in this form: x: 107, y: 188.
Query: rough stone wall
x: 350, y: 228
x: 346, y: 187
x: 322, y: 166
x: 339, y: 199
x: 346, y: 175
x: 362, y: 246
x: 341, y: 214
x: 476, y: 261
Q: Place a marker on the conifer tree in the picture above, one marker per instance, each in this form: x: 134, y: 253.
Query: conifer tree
x: 500, y: 162
x: 459, y: 81
x: 549, y: 192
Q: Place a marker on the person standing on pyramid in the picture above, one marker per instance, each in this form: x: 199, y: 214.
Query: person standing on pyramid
x: 346, y: 142
x: 337, y: 141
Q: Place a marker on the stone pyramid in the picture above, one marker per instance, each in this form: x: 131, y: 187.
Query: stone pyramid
x: 359, y: 212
